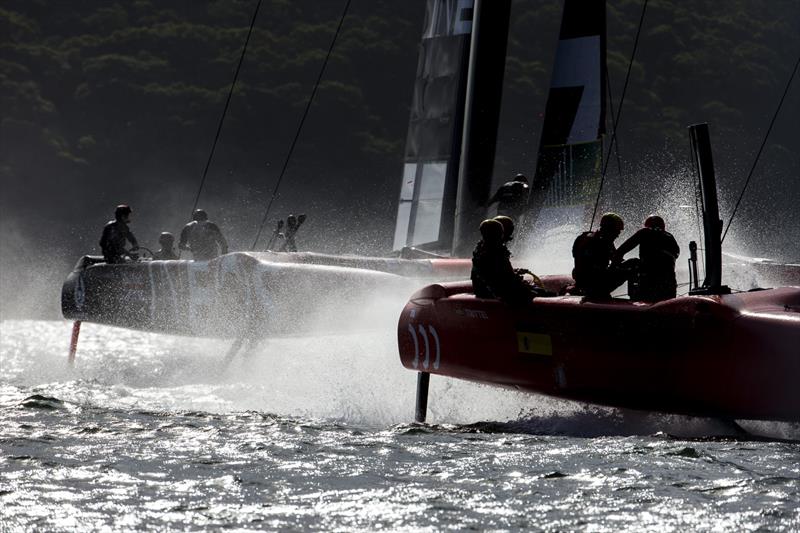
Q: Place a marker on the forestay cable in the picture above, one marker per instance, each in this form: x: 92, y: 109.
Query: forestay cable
x: 619, y: 112
x: 225, y: 109
x: 300, y: 126
x: 763, y: 143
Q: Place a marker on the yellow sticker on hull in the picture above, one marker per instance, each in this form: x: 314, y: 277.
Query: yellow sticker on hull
x: 536, y: 343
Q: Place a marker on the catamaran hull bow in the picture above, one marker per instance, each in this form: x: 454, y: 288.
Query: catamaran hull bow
x: 734, y: 356
x: 243, y: 294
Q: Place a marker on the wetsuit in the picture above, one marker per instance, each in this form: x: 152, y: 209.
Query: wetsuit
x: 593, y: 276
x: 493, y: 277
x: 115, y: 234
x: 288, y: 244
x: 204, y: 239
x: 658, y: 251
x: 512, y: 199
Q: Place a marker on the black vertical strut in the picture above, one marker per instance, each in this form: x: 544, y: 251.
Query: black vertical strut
x: 712, y: 225
x: 421, y: 411
x: 481, y: 118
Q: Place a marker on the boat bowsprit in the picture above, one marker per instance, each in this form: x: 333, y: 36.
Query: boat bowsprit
x: 733, y: 356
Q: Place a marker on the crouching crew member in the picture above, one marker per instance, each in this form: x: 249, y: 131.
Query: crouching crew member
x: 492, y: 274
x: 202, y: 237
x: 658, y: 251
x: 115, y: 234
x: 593, y: 251
x: 167, y: 251
x: 508, y: 236
x: 512, y: 197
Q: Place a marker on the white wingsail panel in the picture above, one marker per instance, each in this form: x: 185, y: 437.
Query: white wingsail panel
x: 433, y: 145
x: 419, y: 213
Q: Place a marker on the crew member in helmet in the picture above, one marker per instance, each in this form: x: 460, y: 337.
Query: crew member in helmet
x: 658, y: 251
x: 593, y: 250
x: 293, y: 224
x: 508, y: 236
x: 202, y: 237
x: 167, y: 251
x: 512, y: 198
x: 508, y: 228
x: 115, y: 234
x: 492, y: 274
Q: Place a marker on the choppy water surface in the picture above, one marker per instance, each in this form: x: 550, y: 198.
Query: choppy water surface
x: 149, y: 431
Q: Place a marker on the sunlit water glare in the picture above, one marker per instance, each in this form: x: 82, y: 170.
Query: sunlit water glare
x: 151, y: 431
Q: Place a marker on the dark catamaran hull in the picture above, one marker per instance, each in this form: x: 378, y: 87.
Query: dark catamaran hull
x: 268, y: 294
x: 248, y: 294
x: 733, y: 356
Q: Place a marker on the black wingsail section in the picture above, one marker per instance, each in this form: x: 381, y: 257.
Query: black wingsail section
x: 571, y: 148
x: 433, y: 146
x: 481, y: 119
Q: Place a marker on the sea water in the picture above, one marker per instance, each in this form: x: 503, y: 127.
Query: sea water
x: 155, y: 432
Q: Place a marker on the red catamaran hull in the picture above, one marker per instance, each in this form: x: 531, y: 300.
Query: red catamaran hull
x: 734, y: 356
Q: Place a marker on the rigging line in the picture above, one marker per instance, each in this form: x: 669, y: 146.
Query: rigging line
x: 225, y: 109
x: 761, y: 148
x: 619, y: 112
x: 613, y: 121
x: 300, y: 126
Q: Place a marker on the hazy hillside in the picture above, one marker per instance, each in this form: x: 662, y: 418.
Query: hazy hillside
x: 104, y: 102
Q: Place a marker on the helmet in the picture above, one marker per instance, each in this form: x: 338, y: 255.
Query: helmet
x: 166, y: 239
x: 199, y: 215
x: 612, y: 221
x: 508, y: 226
x: 521, y: 177
x: 121, y: 211
x: 655, y: 221
x: 492, y: 231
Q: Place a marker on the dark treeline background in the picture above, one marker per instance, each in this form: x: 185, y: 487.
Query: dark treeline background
x: 106, y: 102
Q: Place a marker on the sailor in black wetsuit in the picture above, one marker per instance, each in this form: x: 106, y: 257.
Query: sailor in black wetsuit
x: 115, y: 234
x: 512, y: 198
x: 293, y: 224
x: 508, y: 236
x: 658, y: 251
x: 492, y: 274
x: 202, y: 237
x: 593, y: 250
x: 167, y: 252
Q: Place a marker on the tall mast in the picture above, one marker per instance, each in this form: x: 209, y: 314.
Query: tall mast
x: 481, y: 118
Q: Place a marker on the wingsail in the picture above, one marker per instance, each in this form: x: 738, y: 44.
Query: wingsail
x: 433, y: 145
x: 571, y: 148
x: 453, y: 126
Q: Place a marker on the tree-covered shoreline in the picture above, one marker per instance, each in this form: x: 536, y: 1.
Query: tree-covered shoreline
x: 104, y: 102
